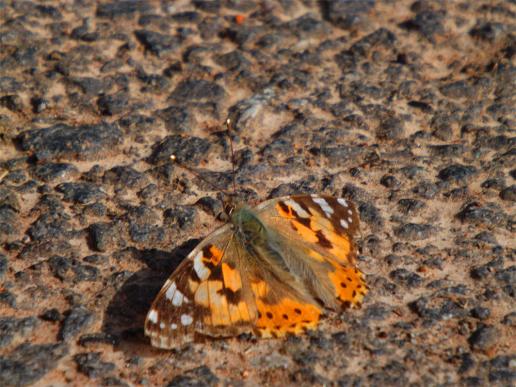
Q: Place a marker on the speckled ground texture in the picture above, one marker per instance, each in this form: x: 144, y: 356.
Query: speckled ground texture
x: 405, y: 107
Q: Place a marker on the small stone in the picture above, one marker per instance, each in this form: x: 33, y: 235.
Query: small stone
x: 55, y: 172
x: 122, y: 8
x: 11, y: 327
x: 78, y: 319
x: 183, y: 216
x: 347, y: 14
x: 201, y: 376
x: 390, y: 181
x: 4, y: 265
x: 484, y: 338
x: 52, y: 315
x: 414, y: 231
x: 509, y: 193
x: 177, y: 119
x: 197, y: 90
x: 81, y: 192
x: 105, y: 235
x: 410, y: 206
x: 456, y: 172
x: 12, y: 102
x: 480, y: 312
x: 91, y: 364
x: 406, y: 278
x: 27, y: 363
x: 428, y: 23
x: 113, y: 104
x: 158, y: 44
x: 510, y: 319
x: 391, y: 129
x: 63, y: 141
x: 185, y: 149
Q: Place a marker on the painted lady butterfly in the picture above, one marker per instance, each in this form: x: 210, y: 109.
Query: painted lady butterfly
x: 271, y: 270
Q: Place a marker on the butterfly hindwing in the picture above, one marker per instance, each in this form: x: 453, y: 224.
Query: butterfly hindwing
x: 318, y: 231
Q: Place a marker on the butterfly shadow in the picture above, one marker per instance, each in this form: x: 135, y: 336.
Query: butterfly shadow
x: 125, y: 315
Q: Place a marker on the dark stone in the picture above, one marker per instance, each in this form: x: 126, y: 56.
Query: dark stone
x: 125, y: 176
x: 210, y: 205
x: 480, y: 312
x: 197, y: 90
x: 413, y: 231
x: 377, y: 312
x: 507, y: 278
x: 113, y: 104
x: 183, y: 216
x: 4, y: 265
x: 456, y: 172
x: 122, y: 8
x: 458, y: 89
x: 92, y: 86
x: 105, y: 235
x: 212, y: 6
x: 484, y: 338
x: 509, y: 193
x: 390, y: 181
x: 78, y: 319
x: 442, y: 125
x: 382, y: 37
x: 63, y: 268
x: 186, y: 149
x: 510, y: 319
x: 27, y: 363
x: 7, y: 298
x: 406, y: 278
x: 62, y: 141
x: 197, y: 377
x: 442, y: 308
x: 410, y: 206
x: 390, y: 129
x: 52, y: 315
x: 11, y: 327
x: 447, y: 150
x: 475, y: 213
x: 144, y: 233
x: 483, y: 271
x: 177, y: 118
x: 50, y: 225
x: 12, y: 102
x: 427, y: 22
x: 347, y: 14
x: 412, y: 171
x: 232, y: 61
x: 423, y: 106
x: 53, y: 172
x: 370, y: 214
x: 488, y: 31
x: 158, y: 44
x: 91, y: 365
x: 497, y: 183
x: 81, y: 192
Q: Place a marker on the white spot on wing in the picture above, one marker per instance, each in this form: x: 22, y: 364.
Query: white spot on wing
x: 200, y: 269
x: 162, y: 325
x: 324, y: 206
x: 350, y: 220
x: 186, y: 319
x: 170, y: 291
x: 342, y: 202
x: 153, y: 316
x: 343, y: 223
x: 178, y: 298
x: 296, y: 207
x: 173, y: 326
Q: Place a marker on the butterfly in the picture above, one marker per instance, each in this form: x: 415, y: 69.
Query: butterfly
x: 272, y: 270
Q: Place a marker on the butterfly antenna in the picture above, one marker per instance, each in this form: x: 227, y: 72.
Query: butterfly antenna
x: 174, y: 159
x: 228, y: 125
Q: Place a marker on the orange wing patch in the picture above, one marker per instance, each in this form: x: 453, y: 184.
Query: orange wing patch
x: 349, y: 284
x: 286, y: 316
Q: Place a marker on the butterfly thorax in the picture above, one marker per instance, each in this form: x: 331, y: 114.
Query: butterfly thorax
x: 247, y: 226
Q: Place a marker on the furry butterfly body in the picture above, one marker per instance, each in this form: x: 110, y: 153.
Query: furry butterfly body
x: 271, y: 271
